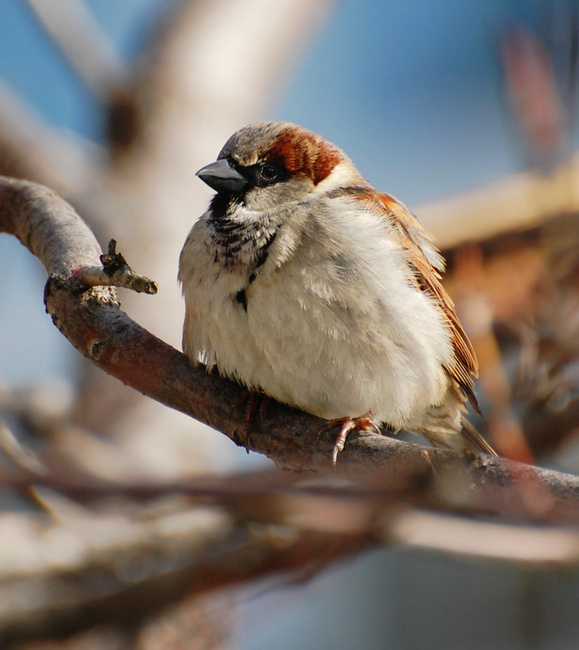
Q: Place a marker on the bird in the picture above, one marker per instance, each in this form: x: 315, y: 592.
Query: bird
x: 306, y: 284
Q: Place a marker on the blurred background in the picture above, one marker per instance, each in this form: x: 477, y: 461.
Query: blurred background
x: 464, y: 110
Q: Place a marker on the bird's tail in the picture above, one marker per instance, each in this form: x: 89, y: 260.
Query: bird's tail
x: 474, y: 438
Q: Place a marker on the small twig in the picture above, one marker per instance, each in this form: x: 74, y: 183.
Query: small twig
x: 116, y: 273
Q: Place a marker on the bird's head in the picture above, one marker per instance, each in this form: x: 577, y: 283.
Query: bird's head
x: 271, y: 163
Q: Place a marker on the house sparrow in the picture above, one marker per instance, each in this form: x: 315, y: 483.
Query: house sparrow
x: 303, y: 281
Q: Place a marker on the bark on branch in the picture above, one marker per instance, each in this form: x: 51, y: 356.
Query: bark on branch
x: 90, y: 318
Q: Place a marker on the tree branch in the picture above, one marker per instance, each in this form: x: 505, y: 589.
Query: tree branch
x: 91, y: 320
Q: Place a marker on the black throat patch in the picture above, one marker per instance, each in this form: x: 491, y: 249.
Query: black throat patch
x: 239, y: 244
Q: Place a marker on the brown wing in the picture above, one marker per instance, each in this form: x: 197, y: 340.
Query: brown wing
x: 426, y: 263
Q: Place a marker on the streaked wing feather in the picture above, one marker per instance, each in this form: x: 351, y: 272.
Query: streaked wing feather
x: 426, y: 262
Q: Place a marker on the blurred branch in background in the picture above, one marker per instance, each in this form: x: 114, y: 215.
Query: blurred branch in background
x: 90, y: 565
x: 83, y: 44
x: 30, y: 148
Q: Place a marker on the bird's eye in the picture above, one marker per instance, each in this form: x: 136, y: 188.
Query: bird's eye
x: 269, y: 173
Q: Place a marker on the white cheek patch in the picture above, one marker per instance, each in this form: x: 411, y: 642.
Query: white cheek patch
x: 342, y: 175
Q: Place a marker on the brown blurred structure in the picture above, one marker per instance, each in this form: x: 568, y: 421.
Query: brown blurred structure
x: 513, y: 251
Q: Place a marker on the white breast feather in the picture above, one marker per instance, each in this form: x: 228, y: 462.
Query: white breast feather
x: 332, y: 330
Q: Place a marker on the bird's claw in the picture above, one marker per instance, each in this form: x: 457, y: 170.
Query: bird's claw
x: 252, y: 402
x: 347, y: 425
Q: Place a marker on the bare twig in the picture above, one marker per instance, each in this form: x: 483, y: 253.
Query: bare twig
x: 115, y: 272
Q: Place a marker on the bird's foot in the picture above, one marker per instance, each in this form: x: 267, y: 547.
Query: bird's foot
x: 347, y: 425
x: 252, y: 402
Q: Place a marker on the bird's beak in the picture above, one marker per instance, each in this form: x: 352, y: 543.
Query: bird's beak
x: 221, y: 177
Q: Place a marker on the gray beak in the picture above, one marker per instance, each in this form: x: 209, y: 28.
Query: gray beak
x: 221, y: 177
